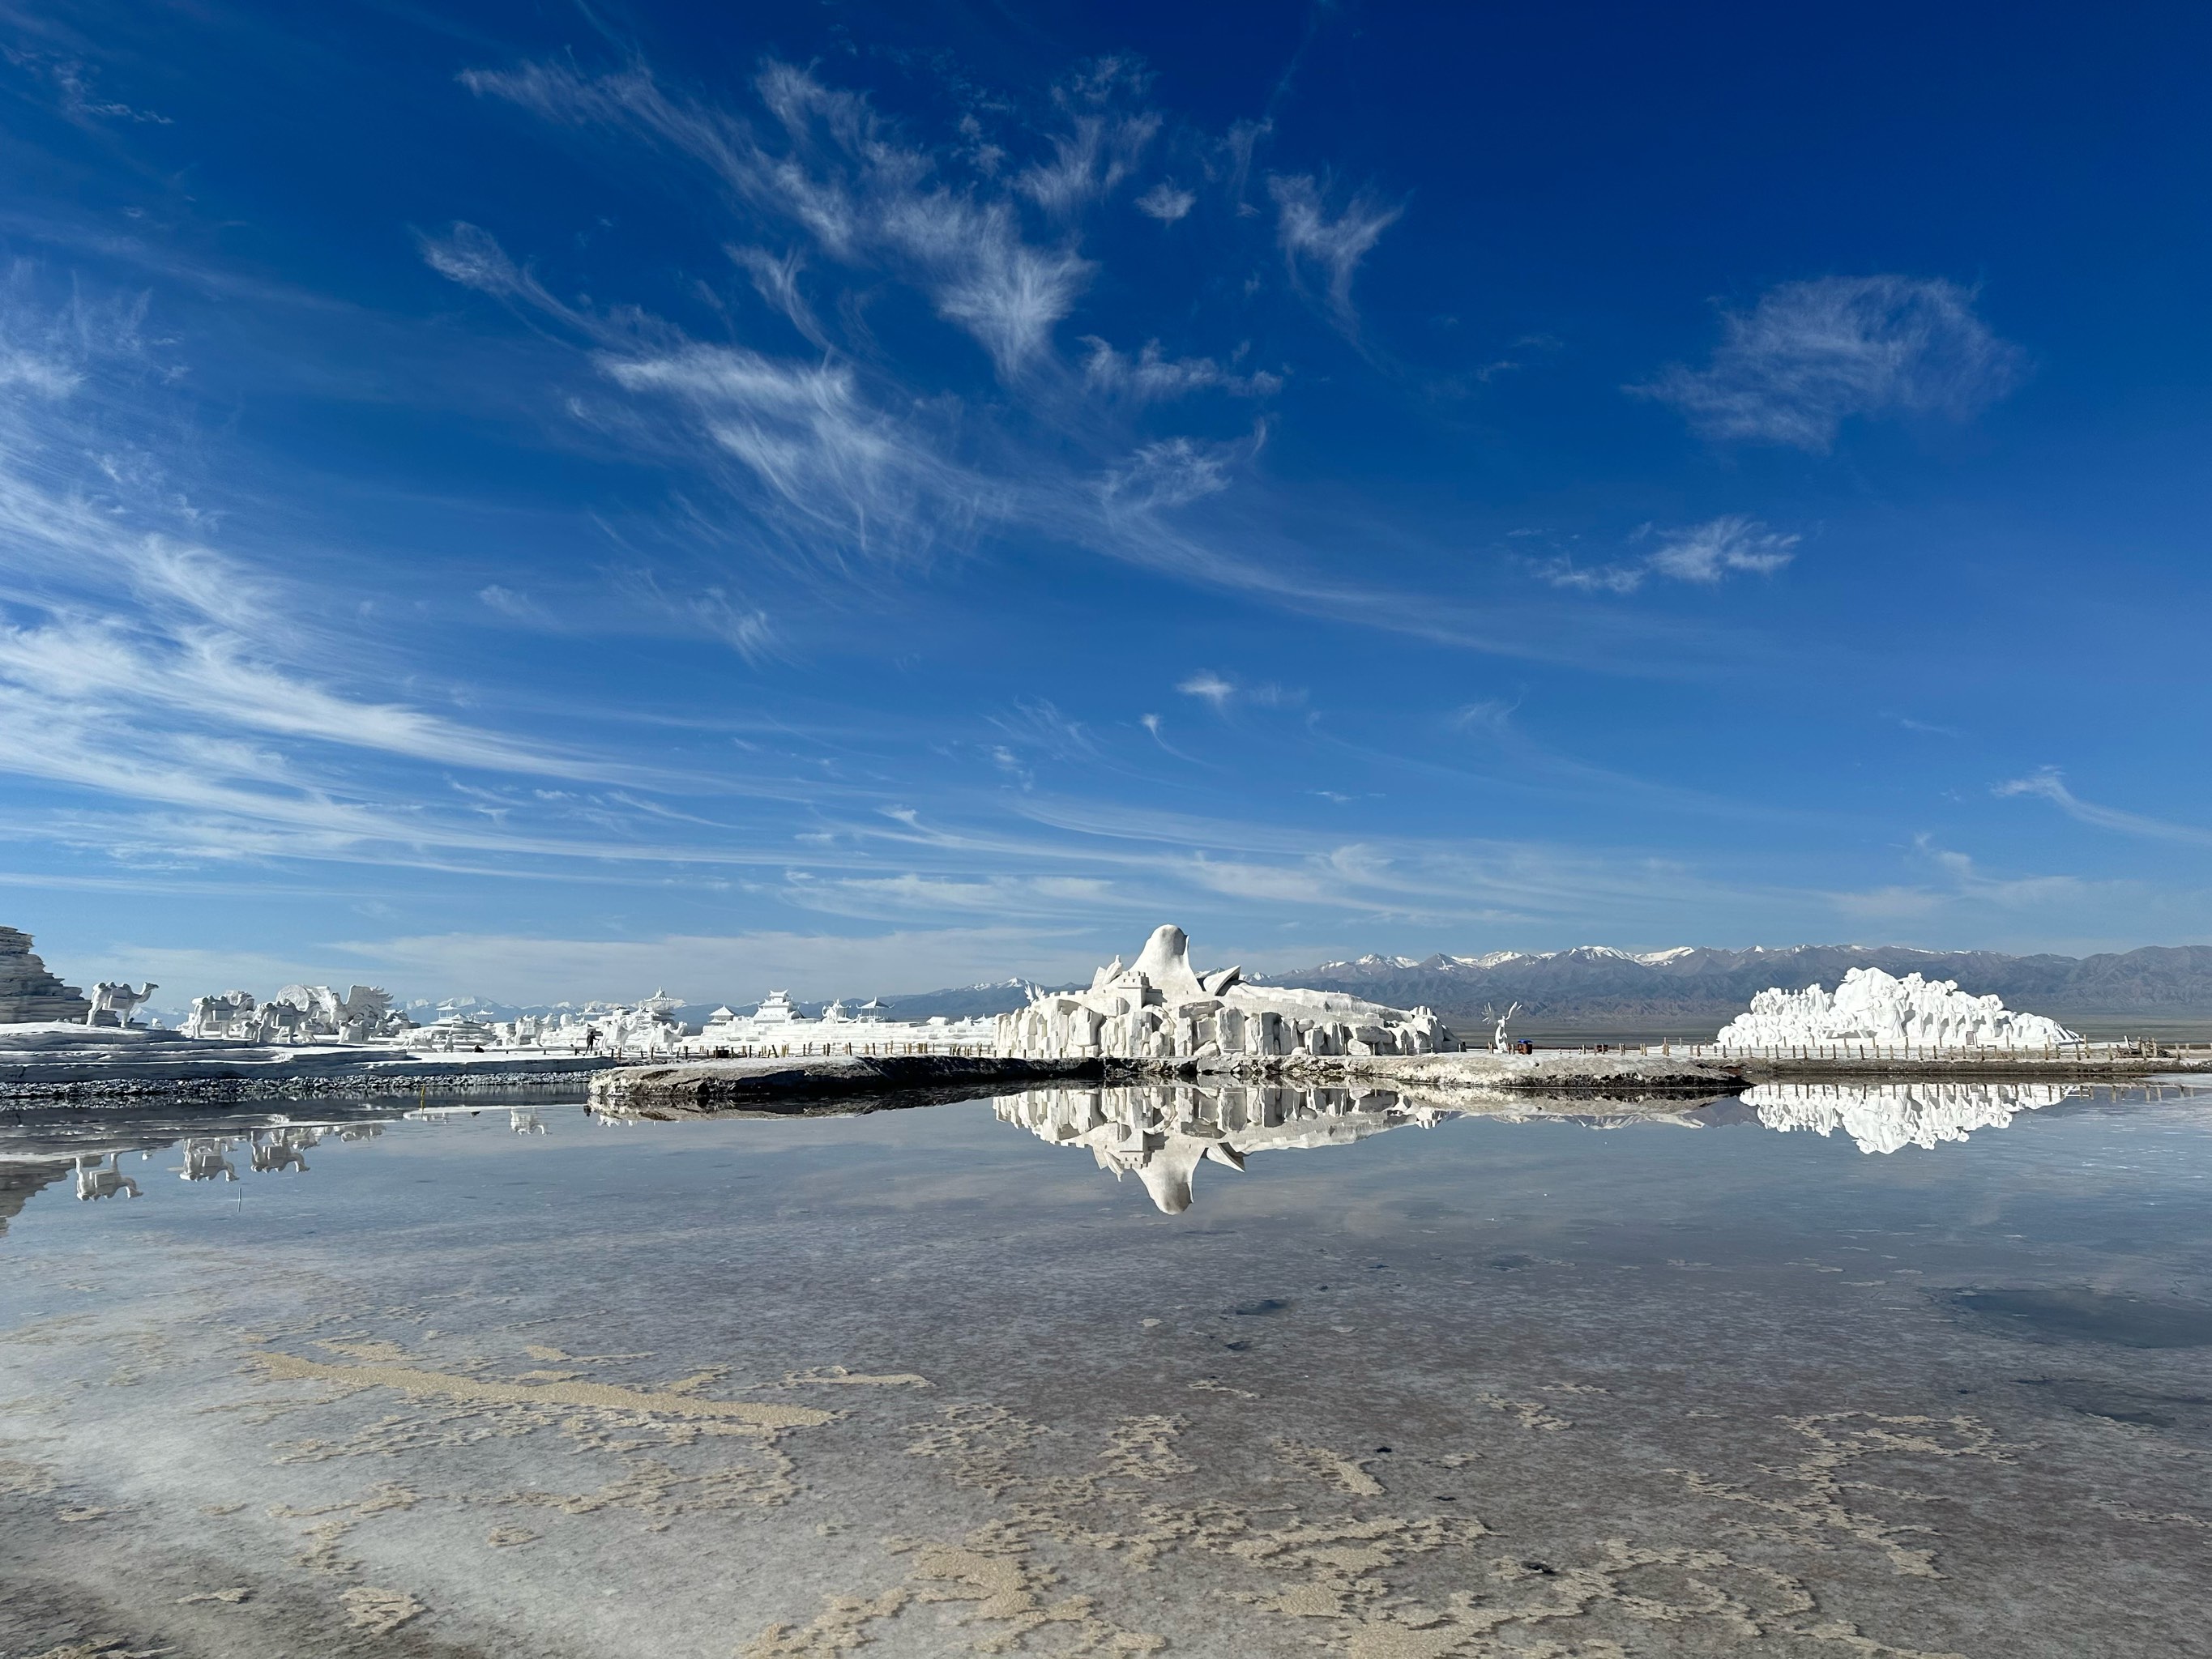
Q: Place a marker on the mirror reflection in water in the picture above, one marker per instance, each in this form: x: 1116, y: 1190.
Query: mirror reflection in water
x: 1161, y: 1134
x: 1552, y: 1376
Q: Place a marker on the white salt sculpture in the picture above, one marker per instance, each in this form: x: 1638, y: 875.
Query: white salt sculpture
x: 1159, y: 1008
x: 112, y: 1004
x: 1888, y: 1117
x: 649, y: 1026
x: 1873, y: 1010
x: 28, y: 994
x: 780, y: 1023
x: 298, y: 1014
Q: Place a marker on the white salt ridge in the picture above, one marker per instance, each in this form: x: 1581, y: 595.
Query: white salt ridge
x: 1874, y: 1010
x: 1888, y: 1117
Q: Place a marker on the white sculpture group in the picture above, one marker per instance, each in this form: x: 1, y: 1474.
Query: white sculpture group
x: 1874, y: 1010
x: 780, y: 1022
x: 298, y: 1014
x: 647, y: 1026
x: 1159, y: 1008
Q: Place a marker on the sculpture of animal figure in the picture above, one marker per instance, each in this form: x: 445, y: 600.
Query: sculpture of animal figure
x: 281, y: 1151
x: 97, y: 1178
x: 205, y: 1161
x: 113, y: 1002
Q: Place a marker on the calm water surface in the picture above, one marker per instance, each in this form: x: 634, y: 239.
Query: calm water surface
x: 1051, y: 1375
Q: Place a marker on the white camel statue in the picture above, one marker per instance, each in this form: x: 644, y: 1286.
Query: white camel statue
x: 111, y: 997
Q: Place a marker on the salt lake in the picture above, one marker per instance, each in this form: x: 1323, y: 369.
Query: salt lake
x: 1046, y: 1375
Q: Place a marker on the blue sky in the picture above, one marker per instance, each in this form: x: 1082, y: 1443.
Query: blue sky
x: 544, y: 501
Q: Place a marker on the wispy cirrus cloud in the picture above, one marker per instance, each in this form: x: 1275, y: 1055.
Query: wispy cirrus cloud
x: 1150, y: 375
x: 845, y: 479
x: 2050, y: 784
x: 1167, y: 202
x: 1705, y: 553
x: 870, y: 452
x: 843, y: 175
x: 141, y: 663
x: 1310, y: 235
x: 1809, y: 356
x: 1208, y: 687
x: 1720, y: 547
x: 1107, y: 133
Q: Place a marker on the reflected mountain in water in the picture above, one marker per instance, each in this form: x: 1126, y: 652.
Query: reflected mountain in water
x: 1887, y: 1117
x: 1162, y: 1132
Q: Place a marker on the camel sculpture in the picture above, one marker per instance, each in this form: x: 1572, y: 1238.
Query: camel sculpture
x: 113, y: 1002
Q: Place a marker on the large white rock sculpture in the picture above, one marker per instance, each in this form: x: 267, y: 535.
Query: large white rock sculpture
x: 1873, y: 1010
x: 28, y: 990
x: 1159, y: 1007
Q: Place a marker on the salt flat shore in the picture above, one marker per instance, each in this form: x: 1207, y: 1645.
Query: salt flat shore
x: 76, y: 1066
x: 688, y: 1087
x: 1690, y: 1068
x: 772, y: 1084
x: 94, y: 1066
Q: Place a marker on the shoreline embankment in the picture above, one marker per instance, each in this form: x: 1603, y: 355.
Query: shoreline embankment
x: 112, y: 1068
x: 93, y: 1066
x: 686, y: 1088
x: 801, y: 1085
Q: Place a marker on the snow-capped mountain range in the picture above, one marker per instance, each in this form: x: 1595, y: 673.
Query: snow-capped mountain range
x: 1686, y: 990
x: 1597, y: 986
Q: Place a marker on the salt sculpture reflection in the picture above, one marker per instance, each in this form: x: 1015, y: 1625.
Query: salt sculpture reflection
x: 1162, y: 1132
x: 1887, y: 1117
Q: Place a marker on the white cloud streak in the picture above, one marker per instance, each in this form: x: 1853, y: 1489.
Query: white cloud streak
x: 1150, y: 376
x: 2050, y: 784
x: 1167, y: 202
x: 1812, y: 354
x: 842, y: 176
x: 1308, y: 235
x: 1704, y: 554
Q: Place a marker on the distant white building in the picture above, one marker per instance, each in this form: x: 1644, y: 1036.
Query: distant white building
x: 779, y: 1023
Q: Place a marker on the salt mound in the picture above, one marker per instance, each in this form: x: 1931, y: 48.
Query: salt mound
x: 1872, y: 1009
